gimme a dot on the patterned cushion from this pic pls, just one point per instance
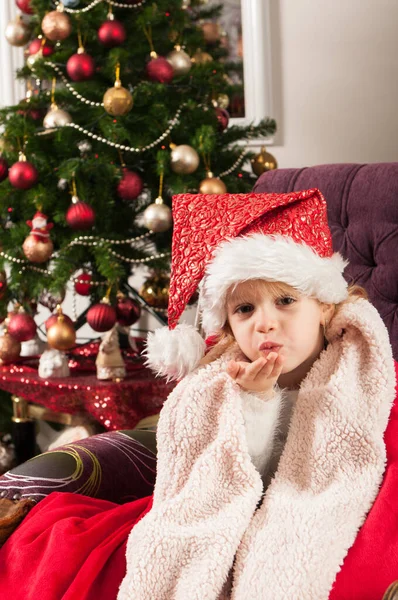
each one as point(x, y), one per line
point(111, 466)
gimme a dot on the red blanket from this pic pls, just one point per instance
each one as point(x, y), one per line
point(71, 547)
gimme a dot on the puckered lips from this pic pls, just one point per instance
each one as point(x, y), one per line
point(267, 347)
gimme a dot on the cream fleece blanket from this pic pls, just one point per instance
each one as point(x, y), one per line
point(204, 519)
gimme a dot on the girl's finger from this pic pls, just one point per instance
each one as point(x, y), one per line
point(268, 367)
point(233, 369)
point(255, 367)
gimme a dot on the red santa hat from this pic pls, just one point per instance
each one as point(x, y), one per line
point(222, 239)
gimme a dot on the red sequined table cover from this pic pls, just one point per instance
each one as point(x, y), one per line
point(116, 405)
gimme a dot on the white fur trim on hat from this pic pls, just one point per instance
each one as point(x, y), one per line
point(174, 353)
point(272, 258)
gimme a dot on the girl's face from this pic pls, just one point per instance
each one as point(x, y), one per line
point(271, 317)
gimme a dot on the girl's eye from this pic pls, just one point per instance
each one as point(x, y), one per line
point(286, 300)
point(244, 309)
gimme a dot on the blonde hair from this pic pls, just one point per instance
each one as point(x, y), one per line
point(225, 339)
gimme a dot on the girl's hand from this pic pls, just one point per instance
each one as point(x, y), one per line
point(258, 376)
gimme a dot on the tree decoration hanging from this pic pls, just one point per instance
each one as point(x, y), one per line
point(102, 316)
point(80, 66)
point(155, 290)
point(18, 32)
point(128, 311)
point(183, 159)
point(23, 175)
point(22, 326)
point(180, 61)
point(54, 318)
point(157, 216)
point(3, 169)
point(80, 215)
point(201, 58)
point(117, 100)
point(83, 284)
point(158, 68)
point(40, 44)
point(131, 184)
point(61, 335)
point(25, 6)
point(56, 25)
point(56, 117)
point(3, 284)
point(10, 348)
point(211, 31)
point(112, 33)
point(262, 162)
point(38, 246)
point(222, 118)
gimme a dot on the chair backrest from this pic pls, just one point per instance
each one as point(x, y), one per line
point(363, 217)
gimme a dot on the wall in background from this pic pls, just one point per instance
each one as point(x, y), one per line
point(11, 58)
point(335, 81)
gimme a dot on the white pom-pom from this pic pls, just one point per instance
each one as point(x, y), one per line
point(174, 353)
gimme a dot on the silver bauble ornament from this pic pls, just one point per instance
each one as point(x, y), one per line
point(180, 61)
point(17, 32)
point(157, 217)
point(56, 117)
point(184, 159)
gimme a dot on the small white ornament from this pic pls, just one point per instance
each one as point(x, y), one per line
point(33, 347)
point(53, 363)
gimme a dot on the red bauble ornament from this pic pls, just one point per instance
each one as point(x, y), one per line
point(130, 186)
point(3, 169)
point(23, 175)
point(127, 311)
point(80, 215)
point(80, 67)
point(111, 33)
point(22, 327)
point(25, 6)
point(159, 69)
point(36, 45)
point(101, 317)
point(222, 118)
point(83, 289)
point(54, 319)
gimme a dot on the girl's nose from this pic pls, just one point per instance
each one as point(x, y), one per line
point(266, 321)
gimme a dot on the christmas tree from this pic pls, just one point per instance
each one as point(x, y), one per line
point(126, 105)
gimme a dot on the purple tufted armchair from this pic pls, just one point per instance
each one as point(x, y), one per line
point(363, 216)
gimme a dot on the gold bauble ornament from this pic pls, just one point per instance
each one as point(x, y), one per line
point(157, 216)
point(184, 159)
point(212, 185)
point(263, 162)
point(180, 61)
point(61, 335)
point(155, 291)
point(117, 100)
point(17, 32)
point(201, 58)
point(211, 32)
point(222, 101)
point(37, 251)
point(56, 117)
point(10, 348)
point(56, 25)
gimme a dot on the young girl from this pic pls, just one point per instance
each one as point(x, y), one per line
point(270, 449)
